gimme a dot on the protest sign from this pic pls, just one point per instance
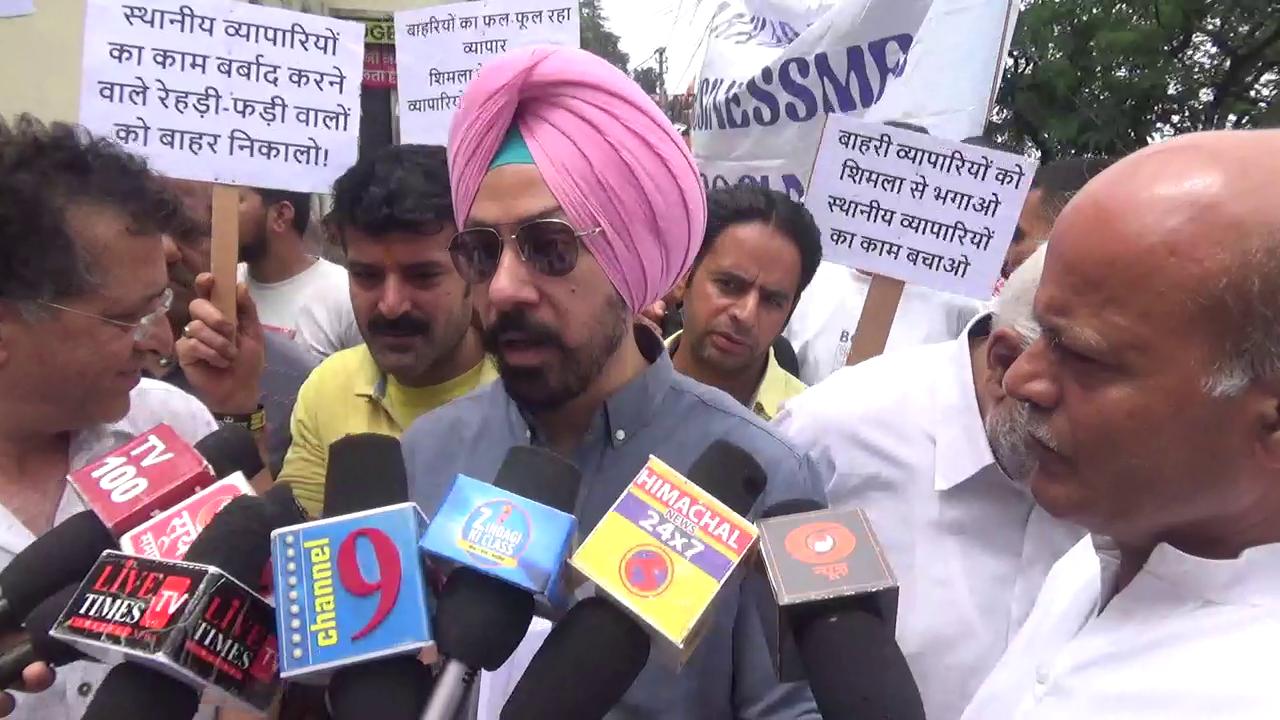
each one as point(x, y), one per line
point(775, 69)
point(225, 92)
point(447, 44)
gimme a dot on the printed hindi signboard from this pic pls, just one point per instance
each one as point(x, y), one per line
point(914, 207)
point(225, 92)
point(447, 44)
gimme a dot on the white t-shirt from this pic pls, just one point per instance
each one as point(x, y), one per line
point(821, 330)
point(313, 308)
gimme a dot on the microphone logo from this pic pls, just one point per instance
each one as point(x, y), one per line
point(496, 533)
point(823, 545)
point(646, 571)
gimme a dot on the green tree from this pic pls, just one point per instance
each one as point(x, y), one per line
point(1106, 77)
point(596, 36)
point(647, 78)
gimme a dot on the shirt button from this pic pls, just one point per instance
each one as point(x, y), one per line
point(619, 436)
point(1043, 676)
point(84, 689)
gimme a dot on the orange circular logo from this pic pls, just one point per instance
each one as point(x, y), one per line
point(820, 543)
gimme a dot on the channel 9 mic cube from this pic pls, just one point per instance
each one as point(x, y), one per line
point(503, 535)
point(145, 475)
point(189, 621)
point(350, 589)
point(168, 535)
point(813, 557)
point(663, 552)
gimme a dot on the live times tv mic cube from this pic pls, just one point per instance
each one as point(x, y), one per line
point(663, 552)
point(350, 589)
point(811, 560)
point(505, 536)
point(188, 621)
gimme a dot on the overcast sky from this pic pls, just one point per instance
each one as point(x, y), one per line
point(645, 26)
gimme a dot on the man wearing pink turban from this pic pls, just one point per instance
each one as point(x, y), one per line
point(579, 205)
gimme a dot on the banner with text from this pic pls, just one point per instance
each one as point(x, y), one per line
point(447, 44)
point(921, 209)
point(224, 91)
point(775, 69)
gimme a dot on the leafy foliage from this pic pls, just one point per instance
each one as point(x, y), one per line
point(596, 36)
point(647, 78)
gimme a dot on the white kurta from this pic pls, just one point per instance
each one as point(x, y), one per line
point(903, 438)
point(1187, 639)
point(152, 402)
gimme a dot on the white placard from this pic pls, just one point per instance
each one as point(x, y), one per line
point(440, 48)
point(16, 8)
point(915, 207)
point(224, 91)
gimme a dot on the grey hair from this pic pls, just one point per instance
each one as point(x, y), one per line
point(1247, 293)
point(1014, 307)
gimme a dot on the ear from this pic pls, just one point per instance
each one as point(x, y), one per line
point(676, 297)
point(1003, 348)
point(1264, 400)
point(281, 216)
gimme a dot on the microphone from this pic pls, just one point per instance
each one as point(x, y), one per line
point(38, 646)
point(510, 540)
point(669, 544)
point(67, 552)
point(133, 691)
point(519, 530)
point(598, 648)
point(352, 588)
point(194, 621)
point(157, 469)
point(829, 610)
point(168, 534)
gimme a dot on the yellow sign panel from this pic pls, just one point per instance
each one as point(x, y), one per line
point(379, 32)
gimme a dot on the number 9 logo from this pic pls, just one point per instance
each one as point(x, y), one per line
point(386, 583)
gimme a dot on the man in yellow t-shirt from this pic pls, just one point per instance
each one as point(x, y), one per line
point(393, 215)
point(759, 252)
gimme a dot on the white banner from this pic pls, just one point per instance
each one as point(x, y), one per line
point(225, 91)
point(775, 68)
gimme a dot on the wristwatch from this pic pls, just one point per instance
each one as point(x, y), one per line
point(255, 421)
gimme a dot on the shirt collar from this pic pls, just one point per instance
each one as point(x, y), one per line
point(961, 444)
point(1253, 578)
point(372, 382)
point(633, 405)
point(769, 394)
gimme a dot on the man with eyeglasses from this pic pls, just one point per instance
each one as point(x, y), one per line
point(579, 205)
point(83, 288)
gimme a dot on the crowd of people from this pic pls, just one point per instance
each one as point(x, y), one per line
point(1076, 483)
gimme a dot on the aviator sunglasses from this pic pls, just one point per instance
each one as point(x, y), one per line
point(549, 245)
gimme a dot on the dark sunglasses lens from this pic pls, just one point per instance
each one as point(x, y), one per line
point(475, 254)
point(550, 246)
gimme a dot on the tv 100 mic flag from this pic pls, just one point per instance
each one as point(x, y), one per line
point(350, 589)
point(811, 558)
point(663, 552)
point(188, 621)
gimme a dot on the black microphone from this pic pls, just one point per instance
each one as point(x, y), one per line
point(366, 471)
point(611, 641)
point(38, 646)
point(829, 612)
point(230, 449)
point(130, 690)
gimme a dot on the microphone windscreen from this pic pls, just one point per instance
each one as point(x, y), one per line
point(540, 475)
point(730, 474)
point(389, 689)
point(284, 508)
point(480, 620)
point(856, 668)
point(597, 650)
point(133, 691)
point(38, 646)
point(365, 471)
point(57, 558)
point(229, 449)
point(792, 506)
point(237, 540)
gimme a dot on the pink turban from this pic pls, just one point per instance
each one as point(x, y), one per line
point(606, 152)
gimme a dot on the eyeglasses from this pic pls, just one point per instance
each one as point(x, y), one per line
point(140, 329)
point(549, 245)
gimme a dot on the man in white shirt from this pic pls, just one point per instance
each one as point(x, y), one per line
point(301, 296)
point(82, 284)
point(1153, 406)
point(925, 441)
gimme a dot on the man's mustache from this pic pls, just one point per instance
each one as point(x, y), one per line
point(402, 325)
point(518, 326)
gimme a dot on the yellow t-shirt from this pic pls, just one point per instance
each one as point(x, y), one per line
point(776, 387)
point(347, 394)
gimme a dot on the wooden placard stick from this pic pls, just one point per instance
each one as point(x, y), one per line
point(878, 312)
point(224, 251)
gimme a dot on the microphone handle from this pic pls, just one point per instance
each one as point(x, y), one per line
point(452, 689)
point(14, 661)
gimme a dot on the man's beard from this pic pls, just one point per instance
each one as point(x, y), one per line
point(1009, 429)
point(254, 248)
point(569, 373)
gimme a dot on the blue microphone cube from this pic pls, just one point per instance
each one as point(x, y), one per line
point(349, 589)
point(503, 535)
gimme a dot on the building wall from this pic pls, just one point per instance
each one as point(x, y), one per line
point(40, 54)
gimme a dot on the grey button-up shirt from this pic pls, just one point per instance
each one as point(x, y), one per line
point(675, 418)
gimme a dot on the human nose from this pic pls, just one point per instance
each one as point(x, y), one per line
point(1030, 377)
point(395, 297)
point(512, 282)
